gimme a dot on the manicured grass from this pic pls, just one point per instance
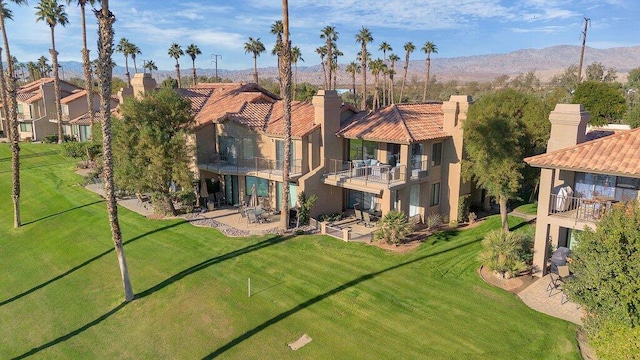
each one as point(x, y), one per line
point(530, 209)
point(61, 294)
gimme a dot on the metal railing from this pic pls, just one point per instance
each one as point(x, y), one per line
point(419, 168)
point(379, 174)
point(226, 163)
point(579, 208)
point(334, 231)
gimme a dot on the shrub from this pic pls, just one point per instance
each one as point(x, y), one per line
point(185, 199)
point(52, 139)
point(393, 228)
point(463, 207)
point(74, 150)
point(472, 217)
point(434, 221)
point(505, 252)
point(330, 217)
point(305, 207)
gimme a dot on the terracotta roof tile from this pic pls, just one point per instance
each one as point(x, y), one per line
point(84, 119)
point(617, 154)
point(228, 98)
point(403, 123)
point(198, 97)
point(302, 119)
point(74, 95)
point(253, 115)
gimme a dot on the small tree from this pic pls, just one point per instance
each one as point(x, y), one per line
point(393, 228)
point(604, 101)
point(606, 281)
point(151, 149)
point(506, 253)
point(305, 203)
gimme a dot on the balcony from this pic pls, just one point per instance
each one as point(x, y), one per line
point(579, 208)
point(257, 166)
point(419, 168)
point(346, 174)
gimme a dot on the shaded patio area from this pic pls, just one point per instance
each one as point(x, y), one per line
point(537, 297)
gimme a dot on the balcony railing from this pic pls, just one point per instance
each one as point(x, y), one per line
point(579, 208)
point(419, 168)
point(377, 174)
point(224, 163)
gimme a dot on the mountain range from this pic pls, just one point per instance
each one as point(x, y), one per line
point(545, 62)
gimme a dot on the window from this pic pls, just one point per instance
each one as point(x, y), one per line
point(247, 149)
point(20, 110)
point(362, 149)
point(435, 195)
point(262, 186)
point(364, 200)
point(25, 127)
point(65, 109)
point(228, 149)
point(436, 154)
point(280, 154)
point(417, 151)
point(393, 154)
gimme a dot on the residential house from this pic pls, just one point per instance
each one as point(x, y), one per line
point(580, 179)
point(37, 115)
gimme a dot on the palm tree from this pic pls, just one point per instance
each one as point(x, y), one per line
point(193, 51)
point(277, 29)
point(364, 37)
point(175, 51)
point(86, 62)
point(428, 48)
point(255, 47)
point(53, 13)
point(43, 64)
point(285, 91)
point(353, 68)
point(150, 65)
point(9, 92)
point(33, 70)
point(134, 51)
point(322, 51)
point(124, 47)
point(331, 35)
point(336, 54)
point(408, 48)
point(392, 58)
point(104, 72)
point(295, 56)
point(377, 66)
point(384, 47)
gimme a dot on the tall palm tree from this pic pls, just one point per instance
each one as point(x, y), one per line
point(364, 37)
point(296, 56)
point(330, 34)
point(408, 48)
point(277, 29)
point(285, 91)
point(43, 64)
point(392, 59)
point(9, 92)
point(377, 66)
point(353, 68)
point(134, 51)
point(124, 47)
point(33, 70)
point(193, 51)
point(336, 54)
point(255, 47)
point(104, 72)
point(384, 47)
point(175, 51)
point(322, 51)
point(53, 14)
point(150, 65)
point(8, 14)
point(86, 62)
point(428, 49)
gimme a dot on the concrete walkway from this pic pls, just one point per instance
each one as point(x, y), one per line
point(537, 298)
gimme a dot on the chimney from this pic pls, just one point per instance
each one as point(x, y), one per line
point(327, 106)
point(142, 83)
point(568, 126)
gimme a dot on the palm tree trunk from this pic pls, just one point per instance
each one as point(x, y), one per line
point(126, 65)
point(285, 90)
point(353, 86)
point(503, 213)
point(56, 85)
point(324, 73)
point(193, 70)
point(426, 80)
point(255, 68)
point(404, 79)
point(363, 105)
point(295, 81)
point(376, 95)
point(178, 74)
point(135, 66)
point(9, 97)
point(105, 50)
point(86, 66)
point(384, 88)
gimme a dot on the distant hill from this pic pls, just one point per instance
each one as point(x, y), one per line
point(544, 62)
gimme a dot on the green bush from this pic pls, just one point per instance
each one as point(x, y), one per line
point(53, 139)
point(434, 221)
point(74, 150)
point(185, 199)
point(464, 203)
point(330, 217)
point(506, 252)
point(393, 228)
point(306, 203)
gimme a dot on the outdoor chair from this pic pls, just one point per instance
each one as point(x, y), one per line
point(555, 283)
point(243, 213)
point(219, 199)
point(266, 206)
point(359, 216)
point(367, 219)
point(246, 200)
point(377, 210)
point(252, 218)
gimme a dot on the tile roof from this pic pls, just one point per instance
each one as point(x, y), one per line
point(73, 96)
point(227, 98)
point(402, 123)
point(302, 119)
point(253, 115)
point(198, 97)
point(617, 154)
point(84, 119)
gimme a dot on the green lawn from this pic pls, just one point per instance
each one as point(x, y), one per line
point(61, 294)
point(530, 209)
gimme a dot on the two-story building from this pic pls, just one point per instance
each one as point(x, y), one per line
point(37, 115)
point(581, 178)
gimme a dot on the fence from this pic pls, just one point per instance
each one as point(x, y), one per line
point(579, 208)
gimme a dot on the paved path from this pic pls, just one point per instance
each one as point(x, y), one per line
point(537, 298)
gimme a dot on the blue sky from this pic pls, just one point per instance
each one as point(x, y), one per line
point(458, 28)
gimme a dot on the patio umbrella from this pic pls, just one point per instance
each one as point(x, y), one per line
point(254, 196)
point(204, 192)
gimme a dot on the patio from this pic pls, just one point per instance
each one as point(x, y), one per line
point(537, 297)
point(230, 222)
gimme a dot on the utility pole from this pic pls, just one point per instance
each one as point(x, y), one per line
point(584, 41)
point(215, 60)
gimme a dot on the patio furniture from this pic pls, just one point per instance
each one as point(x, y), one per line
point(359, 216)
point(252, 218)
point(555, 283)
point(367, 219)
point(219, 198)
point(377, 210)
point(246, 200)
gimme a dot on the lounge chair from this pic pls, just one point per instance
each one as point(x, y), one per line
point(359, 216)
point(252, 218)
point(367, 219)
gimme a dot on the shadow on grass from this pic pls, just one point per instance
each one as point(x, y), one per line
point(63, 211)
point(216, 260)
point(76, 268)
point(169, 281)
point(522, 224)
point(28, 156)
point(323, 296)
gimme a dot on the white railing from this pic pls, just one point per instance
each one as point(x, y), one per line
point(380, 174)
point(226, 163)
point(579, 208)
